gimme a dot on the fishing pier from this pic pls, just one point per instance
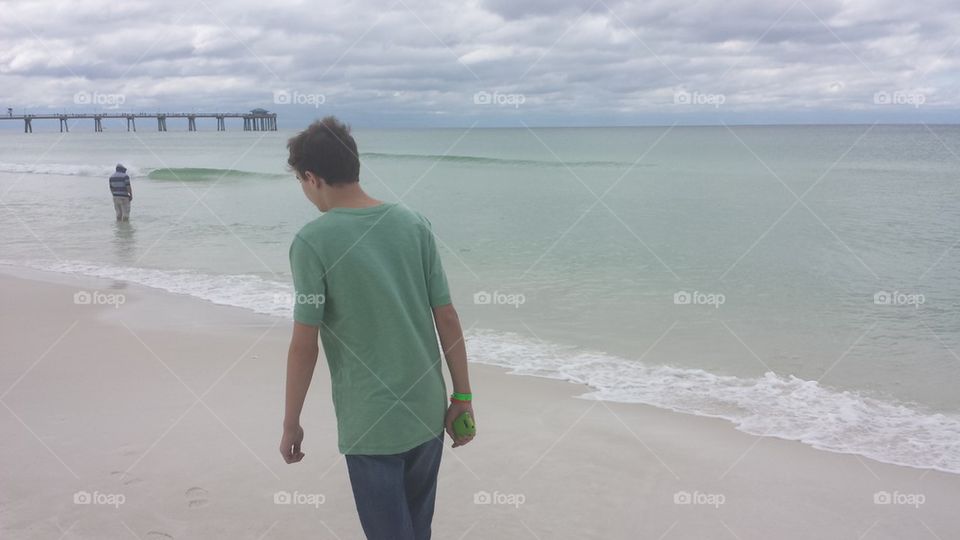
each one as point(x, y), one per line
point(255, 120)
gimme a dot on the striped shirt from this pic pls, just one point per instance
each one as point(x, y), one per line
point(120, 184)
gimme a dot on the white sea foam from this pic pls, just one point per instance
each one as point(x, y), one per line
point(244, 291)
point(771, 405)
point(65, 169)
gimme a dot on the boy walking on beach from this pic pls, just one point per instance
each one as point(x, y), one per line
point(369, 282)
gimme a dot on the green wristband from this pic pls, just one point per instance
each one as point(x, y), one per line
point(461, 397)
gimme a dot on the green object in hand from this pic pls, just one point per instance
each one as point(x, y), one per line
point(463, 426)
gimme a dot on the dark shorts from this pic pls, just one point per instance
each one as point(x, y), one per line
point(395, 493)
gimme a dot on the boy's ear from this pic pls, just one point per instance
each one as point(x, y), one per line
point(310, 177)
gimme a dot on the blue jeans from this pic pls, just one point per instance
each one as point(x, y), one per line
point(395, 493)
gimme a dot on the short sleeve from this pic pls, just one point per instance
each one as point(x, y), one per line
point(309, 286)
point(437, 288)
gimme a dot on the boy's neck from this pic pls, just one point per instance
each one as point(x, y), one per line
point(350, 196)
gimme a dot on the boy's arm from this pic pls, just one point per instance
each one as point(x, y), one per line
point(301, 359)
point(455, 351)
point(451, 339)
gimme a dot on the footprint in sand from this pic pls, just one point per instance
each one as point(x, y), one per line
point(197, 497)
point(129, 451)
point(127, 479)
point(158, 535)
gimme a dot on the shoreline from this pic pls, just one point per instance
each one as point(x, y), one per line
point(119, 414)
point(651, 389)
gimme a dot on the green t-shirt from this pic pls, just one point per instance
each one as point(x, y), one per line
point(368, 278)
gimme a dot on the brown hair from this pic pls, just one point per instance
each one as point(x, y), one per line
point(326, 149)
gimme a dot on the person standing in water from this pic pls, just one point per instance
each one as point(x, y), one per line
point(122, 192)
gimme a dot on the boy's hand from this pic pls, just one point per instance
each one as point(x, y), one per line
point(290, 444)
point(455, 410)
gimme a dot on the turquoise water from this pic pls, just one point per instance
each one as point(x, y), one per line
point(788, 340)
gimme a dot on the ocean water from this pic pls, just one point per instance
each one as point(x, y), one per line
point(801, 282)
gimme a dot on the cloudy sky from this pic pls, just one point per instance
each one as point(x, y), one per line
point(497, 62)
